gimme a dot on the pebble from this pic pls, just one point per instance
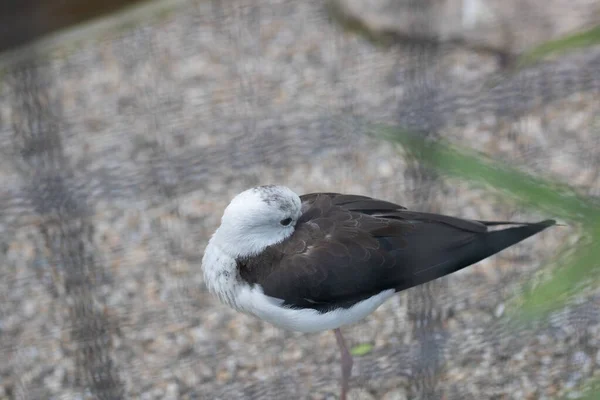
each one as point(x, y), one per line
point(397, 394)
point(360, 394)
point(499, 310)
point(172, 392)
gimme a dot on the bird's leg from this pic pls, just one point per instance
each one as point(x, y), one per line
point(346, 360)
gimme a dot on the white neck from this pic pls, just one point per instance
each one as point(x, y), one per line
point(231, 242)
point(220, 274)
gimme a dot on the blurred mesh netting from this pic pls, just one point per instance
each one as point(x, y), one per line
point(118, 155)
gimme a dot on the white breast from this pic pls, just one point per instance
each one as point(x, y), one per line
point(223, 280)
point(269, 309)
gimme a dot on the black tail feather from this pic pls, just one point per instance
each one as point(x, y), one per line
point(480, 246)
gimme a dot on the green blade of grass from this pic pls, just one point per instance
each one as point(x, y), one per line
point(582, 39)
point(559, 200)
point(361, 349)
point(589, 391)
point(566, 280)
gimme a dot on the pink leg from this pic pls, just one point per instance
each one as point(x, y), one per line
point(346, 362)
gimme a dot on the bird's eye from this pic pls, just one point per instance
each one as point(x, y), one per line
point(286, 222)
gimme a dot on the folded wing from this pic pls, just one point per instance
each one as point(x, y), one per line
point(347, 248)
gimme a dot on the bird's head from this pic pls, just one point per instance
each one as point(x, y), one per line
point(257, 218)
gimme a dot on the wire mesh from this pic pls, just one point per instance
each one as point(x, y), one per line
point(119, 155)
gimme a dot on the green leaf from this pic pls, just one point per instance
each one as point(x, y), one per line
point(549, 295)
point(582, 39)
point(361, 349)
point(590, 390)
point(557, 199)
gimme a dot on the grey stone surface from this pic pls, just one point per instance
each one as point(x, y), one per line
point(511, 26)
point(119, 156)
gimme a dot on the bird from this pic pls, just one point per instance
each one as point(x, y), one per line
point(320, 261)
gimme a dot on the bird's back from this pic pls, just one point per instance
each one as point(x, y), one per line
point(347, 248)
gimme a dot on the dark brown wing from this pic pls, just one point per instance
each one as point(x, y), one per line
point(347, 248)
point(351, 202)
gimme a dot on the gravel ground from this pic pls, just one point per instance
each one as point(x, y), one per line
point(140, 140)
